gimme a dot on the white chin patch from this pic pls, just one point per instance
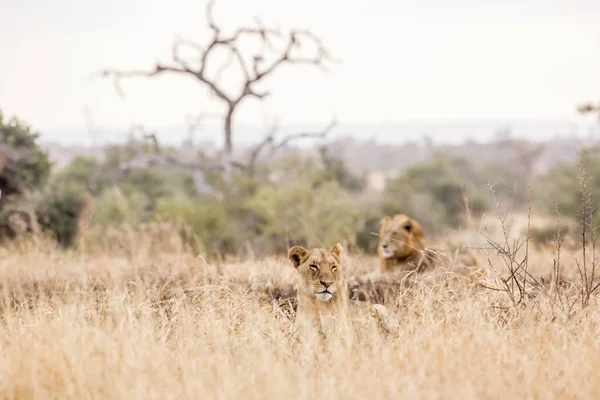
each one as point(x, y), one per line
point(386, 254)
point(324, 296)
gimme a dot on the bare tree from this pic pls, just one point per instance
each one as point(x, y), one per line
point(255, 69)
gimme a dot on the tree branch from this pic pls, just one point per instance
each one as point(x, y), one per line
point(158, 156)
point(118, 75)
point(270, 141)
point(303, 135)
point(295, 40)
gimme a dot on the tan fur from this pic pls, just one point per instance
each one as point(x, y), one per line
point(322, 269)
point(402, 247)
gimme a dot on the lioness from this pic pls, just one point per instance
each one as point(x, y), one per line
point(402, 247)
point(323, 302)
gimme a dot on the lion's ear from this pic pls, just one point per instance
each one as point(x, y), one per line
point(337, 250)
point(416, 229)
point(297, 255)
point(385, 220)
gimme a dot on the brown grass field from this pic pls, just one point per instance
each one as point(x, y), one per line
point(151, 320)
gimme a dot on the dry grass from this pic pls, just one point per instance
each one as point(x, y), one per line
point(159, 323)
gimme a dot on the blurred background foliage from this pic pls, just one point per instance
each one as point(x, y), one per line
point(310, 201)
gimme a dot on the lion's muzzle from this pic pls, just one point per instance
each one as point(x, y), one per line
point(326, 292)
point(386, 252)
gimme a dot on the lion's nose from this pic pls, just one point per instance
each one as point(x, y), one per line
point(384, 245)
point(326, 284)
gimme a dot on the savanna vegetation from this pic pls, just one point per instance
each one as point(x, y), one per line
point(153, 272)
point(125, 282)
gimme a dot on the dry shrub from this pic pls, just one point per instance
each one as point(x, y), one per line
point(555, 291)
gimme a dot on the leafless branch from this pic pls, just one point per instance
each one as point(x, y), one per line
point(158, 156)
point(259, 71)
point(253, 73)
point(270, 141)
point(302, 135)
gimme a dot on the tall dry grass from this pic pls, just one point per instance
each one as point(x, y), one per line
point(157, 322)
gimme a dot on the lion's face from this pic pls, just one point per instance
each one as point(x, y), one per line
point(319, 269)
point(399, 236)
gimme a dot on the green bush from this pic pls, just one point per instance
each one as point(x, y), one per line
point(204, 223)
point(150, 184)
point(269, 217)
point(27, 202)
point(114, 207)
point(23, 164)
point(85, 172)
point(299, 214)
point(14, 220)
point(437, 193)
point(368, 229)
point(59, 211)
point(560, 187)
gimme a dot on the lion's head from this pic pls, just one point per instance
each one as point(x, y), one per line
point(319, 269)
point(399, 237)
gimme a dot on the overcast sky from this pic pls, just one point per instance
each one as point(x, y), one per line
point(399, 59)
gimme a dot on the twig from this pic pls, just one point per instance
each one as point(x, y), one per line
point(303, 135)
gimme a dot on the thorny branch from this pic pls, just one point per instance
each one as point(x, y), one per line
point(516, 284)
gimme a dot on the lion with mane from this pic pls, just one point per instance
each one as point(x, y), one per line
point(403, 247)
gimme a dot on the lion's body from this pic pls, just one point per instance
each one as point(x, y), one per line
point(402, 247)
point(324, 305)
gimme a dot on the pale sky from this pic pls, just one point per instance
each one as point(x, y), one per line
point(399, 60)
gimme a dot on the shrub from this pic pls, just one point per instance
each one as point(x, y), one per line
point(438, 193)
point(23, 164)
point(368, 229)
point(204, 223)
point(560, 187)
point(85, 172)
point(269, 220)
point(113, 207)
point(299, 214)
point(59, 211)
point(28, 204)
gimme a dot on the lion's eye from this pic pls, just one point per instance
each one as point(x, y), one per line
point(408, 228)
point(314, 267)
point(334, 268)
